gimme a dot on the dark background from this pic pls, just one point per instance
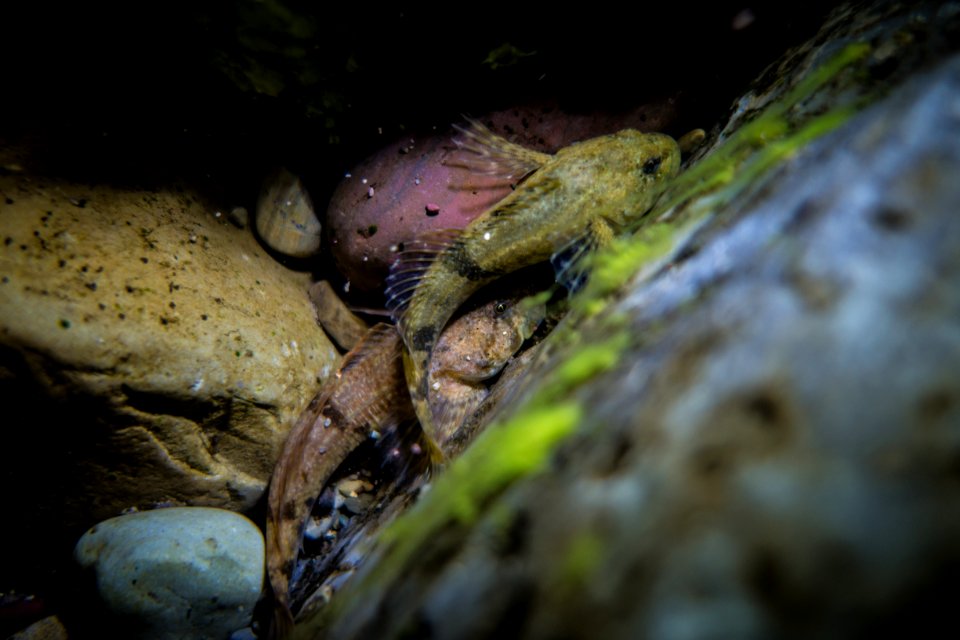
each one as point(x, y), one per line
point(217, 93)
point(214, 95)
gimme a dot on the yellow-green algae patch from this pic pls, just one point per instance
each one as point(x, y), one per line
point(513, 449)
point(579, 561)
point(776, 133)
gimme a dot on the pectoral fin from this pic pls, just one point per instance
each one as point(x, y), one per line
point(411, 266)
point(570, 263)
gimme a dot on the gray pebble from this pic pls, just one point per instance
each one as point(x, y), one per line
point(182, 572)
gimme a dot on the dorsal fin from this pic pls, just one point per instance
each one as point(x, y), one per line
point(375, 338)
point(494, 155)
point(411, 265)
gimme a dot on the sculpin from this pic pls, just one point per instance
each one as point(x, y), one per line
point(571, 201)
point(369, 393)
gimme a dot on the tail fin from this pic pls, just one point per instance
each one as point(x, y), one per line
point(282, 624)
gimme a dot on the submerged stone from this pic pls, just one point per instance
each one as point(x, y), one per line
point(187, 572)
point(160, 352)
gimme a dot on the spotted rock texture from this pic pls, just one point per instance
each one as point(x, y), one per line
point(773, 449)
point(158, 353)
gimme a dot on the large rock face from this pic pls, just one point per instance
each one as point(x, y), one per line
point(753, 434)
point(159, 353)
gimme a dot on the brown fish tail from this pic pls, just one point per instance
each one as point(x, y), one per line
point(281, 626)
point(366, 393)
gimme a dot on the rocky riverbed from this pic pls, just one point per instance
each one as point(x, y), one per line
point(745, 426)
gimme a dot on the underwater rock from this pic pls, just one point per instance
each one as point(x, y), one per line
point(161, 354)
point(285, 219)
point(49, 628)
point(398, 193)
point(335, 317)
point(187, 572)
point(753, 435)
point(418, 184)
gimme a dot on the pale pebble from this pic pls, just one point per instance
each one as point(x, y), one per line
point(183, 572)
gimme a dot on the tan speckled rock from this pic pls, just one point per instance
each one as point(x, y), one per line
point(160, 350)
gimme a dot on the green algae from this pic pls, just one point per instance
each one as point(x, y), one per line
point(512, 450)
point(581, 366)
point(779, 131)
point(579, 561)
point(622, 259)
point(501, 455)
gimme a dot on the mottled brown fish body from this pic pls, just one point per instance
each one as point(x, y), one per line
point(588, 190)
point(471, 350)
point(367, 393)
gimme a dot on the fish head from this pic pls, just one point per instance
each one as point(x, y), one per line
point(472, 350)
point(639, 163)
point(477, 345)
point(653, 156)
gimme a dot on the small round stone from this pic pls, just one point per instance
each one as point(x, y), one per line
point(285, 219)
point(183, 572)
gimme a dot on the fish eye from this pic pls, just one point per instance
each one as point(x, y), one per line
point(500, 309)
point(651, 165)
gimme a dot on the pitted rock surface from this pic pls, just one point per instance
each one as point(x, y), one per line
point(161, 353)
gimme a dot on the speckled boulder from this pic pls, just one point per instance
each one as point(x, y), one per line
point(417, 183)
point(159, 353)
point(188, 572)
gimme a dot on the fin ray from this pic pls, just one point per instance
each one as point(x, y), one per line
point(494, 155)
point(411, 266)
point(376, 337)
point(571, 262)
